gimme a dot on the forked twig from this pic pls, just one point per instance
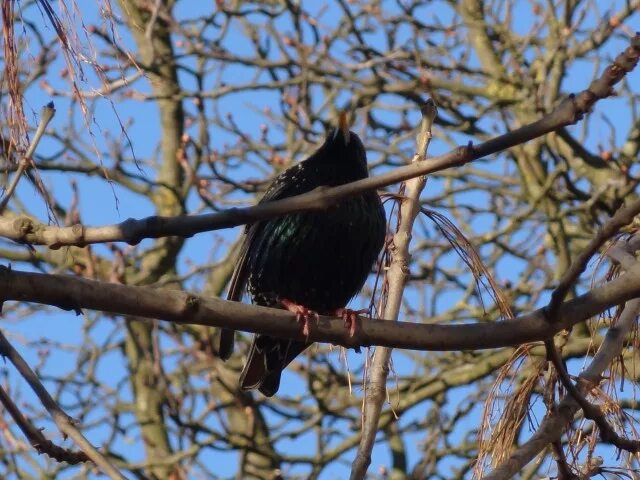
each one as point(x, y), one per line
point(61, 419)
point(591, 411)
point(35, 436)
point(47, 113)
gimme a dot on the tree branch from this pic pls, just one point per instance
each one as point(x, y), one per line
point(35, 436)
point(553, 426)
point(591, 411)
point(132, 231)
point(396, 278)
point(73, 293)
point(61, 419)
point(47, 113)
point(622, 217)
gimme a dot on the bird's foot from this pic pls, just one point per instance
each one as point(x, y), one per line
point(350, 318)
point(303, 314)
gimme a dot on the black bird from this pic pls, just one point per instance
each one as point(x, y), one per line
point(310, 262)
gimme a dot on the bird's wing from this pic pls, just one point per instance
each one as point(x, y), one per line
point(281, 187)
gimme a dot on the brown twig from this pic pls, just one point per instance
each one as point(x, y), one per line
point(35, 436)
point(61, 419)
point(47, 113)
point(564, 470)
point(591, 411)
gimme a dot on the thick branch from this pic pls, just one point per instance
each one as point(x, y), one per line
point(72, 293)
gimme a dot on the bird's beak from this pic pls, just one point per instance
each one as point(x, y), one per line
point(343, 126)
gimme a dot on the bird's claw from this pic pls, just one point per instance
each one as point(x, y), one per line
point(350, 318)
point(303, 314)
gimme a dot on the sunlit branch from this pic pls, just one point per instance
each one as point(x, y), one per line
point(132, 231)
point(73, 293)
point(396, 279)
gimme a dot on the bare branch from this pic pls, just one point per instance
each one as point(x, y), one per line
point(396, 277)
point(72, 293)
point(556, 422)
point(622, 218)
point(46, 115)
point(62, 420)
point(592, 412)
point(133, 231)
point(35, 436)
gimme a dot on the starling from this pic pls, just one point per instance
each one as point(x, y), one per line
point(309, 262)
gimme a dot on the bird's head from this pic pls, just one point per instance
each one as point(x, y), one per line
point(344, 147)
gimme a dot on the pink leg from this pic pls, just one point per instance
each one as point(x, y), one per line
point(350, 318)
point(303, 314)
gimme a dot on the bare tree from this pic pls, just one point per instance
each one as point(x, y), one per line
point(509, 285)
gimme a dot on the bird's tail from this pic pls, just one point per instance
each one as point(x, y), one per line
point(225, 345)
point(267, 357)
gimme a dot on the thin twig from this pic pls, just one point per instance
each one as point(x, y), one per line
point(375, 391)
point(104, 91)
point(564, 471)
point(35, 436)
point(47, 113)
point(622, 218)
point(61, 419)
point(591, 411)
